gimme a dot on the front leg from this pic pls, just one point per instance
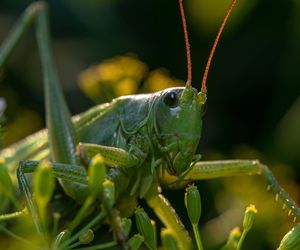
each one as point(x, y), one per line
point(216, 169)
point(111, 155)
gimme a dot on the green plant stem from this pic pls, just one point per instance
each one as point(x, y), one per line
point(55, 226)
point(243, 236)
point(100, 246)
point(12, 215)
point(14, 37)
point(197, 237)
point(80, 215)
point(76, 244)
point(92, 223)
point(16, 237)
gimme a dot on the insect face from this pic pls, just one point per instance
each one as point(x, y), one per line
point(178, 127)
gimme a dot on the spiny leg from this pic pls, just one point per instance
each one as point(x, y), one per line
point(61, 132)
point(60, 127)
point(19, 29)
point(168, 216)
point(216, 169)
point(111, 155)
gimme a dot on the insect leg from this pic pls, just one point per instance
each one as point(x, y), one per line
point(67, 172)
point(19, 29)
point(61, 132)
point(111, 155)
point(29, 148)
point(168, 216)
point(215, 169)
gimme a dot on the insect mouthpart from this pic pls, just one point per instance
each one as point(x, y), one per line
point(180, 153)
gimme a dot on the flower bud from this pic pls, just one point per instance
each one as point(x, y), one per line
point(108, 193)
point(233, 239)
point(86, 237)
point(97, 174)
point(192, 203)
point(249, 217)
point(126, 225)
point(43, 184)
point(43, 187)
point(56, 216)
point(291, 241)
point(146, 228)
point(168, 240)
point(135, 242)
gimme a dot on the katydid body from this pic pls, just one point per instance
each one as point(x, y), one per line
point(139, 138)
point(124, 123)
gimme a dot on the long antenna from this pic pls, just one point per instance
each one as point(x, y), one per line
point(187, 45)
point(203, 86)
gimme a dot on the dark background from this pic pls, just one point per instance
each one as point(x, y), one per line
point(253, 87)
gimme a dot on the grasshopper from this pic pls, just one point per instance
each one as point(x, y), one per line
point(139, 138)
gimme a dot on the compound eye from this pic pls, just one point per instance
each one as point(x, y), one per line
point(171, 99)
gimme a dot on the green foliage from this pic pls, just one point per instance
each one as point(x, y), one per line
point(2, 119)
point(193, 204)
point(227, 193)
point(146, 228)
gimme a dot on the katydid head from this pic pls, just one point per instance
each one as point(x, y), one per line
point(178, 112)
point(178, 126)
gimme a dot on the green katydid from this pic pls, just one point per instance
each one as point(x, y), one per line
point(139, 138)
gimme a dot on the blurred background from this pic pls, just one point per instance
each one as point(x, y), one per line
point(137, 46)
